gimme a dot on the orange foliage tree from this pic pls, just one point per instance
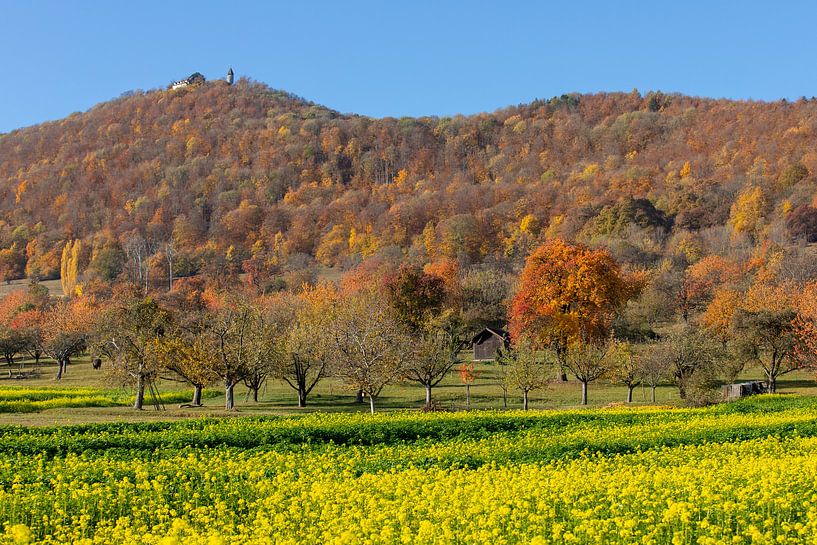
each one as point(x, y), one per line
point(66, 326)
point(467, 376)
point(568, 294)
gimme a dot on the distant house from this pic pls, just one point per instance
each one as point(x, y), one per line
point(193, 79)
point(487, 342)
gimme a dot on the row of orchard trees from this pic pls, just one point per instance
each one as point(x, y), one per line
point(234, 339)
point(578, 311)
point(363, 335)
point(574, 310)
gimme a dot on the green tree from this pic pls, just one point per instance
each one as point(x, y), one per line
point(129, 334)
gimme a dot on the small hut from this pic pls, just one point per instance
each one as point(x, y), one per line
point(487, 342)
point(743, 389)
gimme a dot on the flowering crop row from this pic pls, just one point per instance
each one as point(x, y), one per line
point(742, 474)
point(25, 400)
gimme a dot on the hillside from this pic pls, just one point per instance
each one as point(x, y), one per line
point(246, 178)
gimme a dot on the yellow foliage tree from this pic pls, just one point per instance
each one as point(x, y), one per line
point(69, 266)
point(529, 225)
point(746, 214)
point(332, 247)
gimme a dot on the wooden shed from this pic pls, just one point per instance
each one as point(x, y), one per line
point(487, 342)
point(743, 389)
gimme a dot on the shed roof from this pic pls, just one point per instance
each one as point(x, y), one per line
point(487, 333)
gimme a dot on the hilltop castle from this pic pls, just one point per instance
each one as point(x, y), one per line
point(196, 78)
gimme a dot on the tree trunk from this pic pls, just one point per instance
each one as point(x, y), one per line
point(255, 395)
point(371, 403)
point(630, 393)
point(561, 354)
point(359, 396)
point(505, 399)
point(229, 397)
point(61, 367)
point(525, 400)
point(653, 393)
point(428, 394)
point(196, 395)
point(140, 393)
point(584, 392)
point(771, 383)
point(467, 396)
point(301, 398)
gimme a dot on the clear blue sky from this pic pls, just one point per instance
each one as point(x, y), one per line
point(403, 58)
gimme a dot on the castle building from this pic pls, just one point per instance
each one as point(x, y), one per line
point(229, 77)
point(193, 79)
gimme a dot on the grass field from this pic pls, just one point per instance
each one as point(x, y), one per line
point(734, 473)
point(54, 286)
point(329, 396)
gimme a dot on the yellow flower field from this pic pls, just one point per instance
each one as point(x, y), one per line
point(743, 473)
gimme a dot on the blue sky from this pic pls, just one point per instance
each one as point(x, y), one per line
point(403, 58)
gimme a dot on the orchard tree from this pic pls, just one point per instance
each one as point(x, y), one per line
point(66, 326)
point(467, 376)
point(368, 345)
point(689, 356)
point(307, 342)
point(655, 367)
point(568, 294)
point(235, 333)
point(767, 338)
point(588, 361)
point(129, 332)
point(759, 325)
point(267, 348)
point(437, 353)
point(525, 369)
point(12, 339)
point(184, 355)
point(27, 319)
point(626, 367)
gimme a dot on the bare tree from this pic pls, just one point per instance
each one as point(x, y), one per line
point(230, 334)
point(139, 253)
point(436, 355)
point(369, 347)
point(588, 361)
point(525, 370)
point(305, 358)
point(625, 367)
point(266, 349)
point(683, 355)
point(655, 367)
point(170, 254)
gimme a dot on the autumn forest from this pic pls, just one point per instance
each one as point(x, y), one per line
point(582, 223)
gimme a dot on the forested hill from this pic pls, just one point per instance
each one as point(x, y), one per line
point(244, 176)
